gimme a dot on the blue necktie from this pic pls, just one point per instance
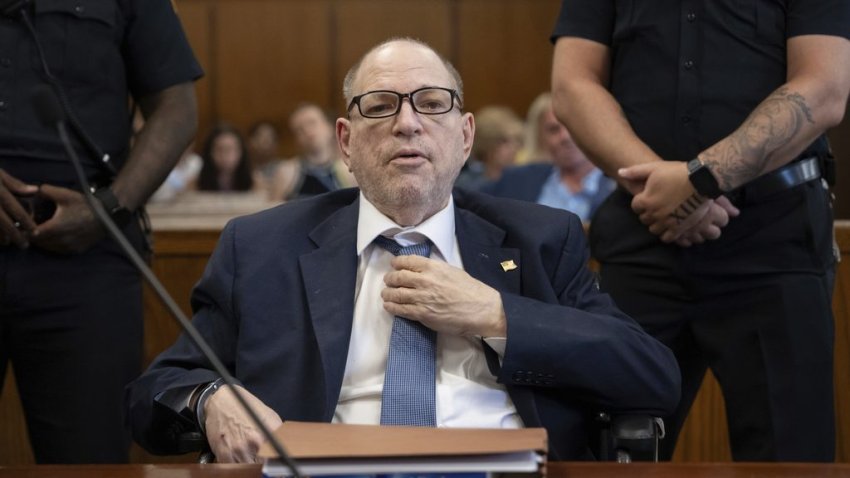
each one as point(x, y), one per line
point(409, 396)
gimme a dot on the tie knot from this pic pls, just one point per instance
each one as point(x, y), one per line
point(421, 249)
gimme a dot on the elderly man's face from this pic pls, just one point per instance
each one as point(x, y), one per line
point(411, 159)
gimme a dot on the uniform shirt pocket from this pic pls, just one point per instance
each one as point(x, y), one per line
point(763, 20)
point(81, 38)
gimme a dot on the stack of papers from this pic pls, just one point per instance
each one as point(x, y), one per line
point(322, 449)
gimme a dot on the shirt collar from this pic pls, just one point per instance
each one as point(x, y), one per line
point(589, 183)
point(439, 228)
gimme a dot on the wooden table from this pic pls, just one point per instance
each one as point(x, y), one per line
point(696, 470)
point(555, 470)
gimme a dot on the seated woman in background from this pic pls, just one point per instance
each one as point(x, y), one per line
point(226, 166)
point(498, 138)
point(534, 148)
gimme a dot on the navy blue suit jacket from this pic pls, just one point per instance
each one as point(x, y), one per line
point(276, 302)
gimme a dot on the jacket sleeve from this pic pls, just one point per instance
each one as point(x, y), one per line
point(584, 344)
point(156, 401)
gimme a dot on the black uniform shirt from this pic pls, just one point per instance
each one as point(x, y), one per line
point(102, 51)
point(688, 72)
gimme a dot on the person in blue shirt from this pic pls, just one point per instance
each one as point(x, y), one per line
point(569, 182)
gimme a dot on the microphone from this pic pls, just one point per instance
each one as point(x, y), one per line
point(47, 107)
point(50, 112)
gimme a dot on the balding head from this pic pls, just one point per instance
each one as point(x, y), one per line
point(405, 162)
point(348, 84)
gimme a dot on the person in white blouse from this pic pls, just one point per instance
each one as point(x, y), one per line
point(301, 301)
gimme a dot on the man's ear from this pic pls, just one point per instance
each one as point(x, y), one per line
point(343, 136)
point(468, 133)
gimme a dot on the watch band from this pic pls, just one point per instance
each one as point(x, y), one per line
point(119, 214)
point(703, 179)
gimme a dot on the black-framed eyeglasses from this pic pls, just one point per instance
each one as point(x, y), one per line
point(386, 103)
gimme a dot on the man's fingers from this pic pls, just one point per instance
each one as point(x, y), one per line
point(638, 172)
point(404, 278)
point(56, 193)
point(15, 231)
point(711, 232)
point(639, 205)
point(408, 311)
point(658, 228)
point(411, 263)
point(397, 295)
point(16, 186)
point(727, 205)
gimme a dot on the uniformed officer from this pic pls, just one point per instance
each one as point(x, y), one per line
point(70, 302)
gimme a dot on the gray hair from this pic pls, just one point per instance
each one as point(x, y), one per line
point(348, 82)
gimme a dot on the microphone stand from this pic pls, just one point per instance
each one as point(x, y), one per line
point(157, 286)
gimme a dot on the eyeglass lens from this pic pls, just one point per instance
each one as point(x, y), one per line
point(380, 104)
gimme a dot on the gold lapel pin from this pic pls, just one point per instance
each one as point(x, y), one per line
point(508, 265)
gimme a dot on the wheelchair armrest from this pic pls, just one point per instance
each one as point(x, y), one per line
point(629, 437)
point(189, 442)
point(192, 441)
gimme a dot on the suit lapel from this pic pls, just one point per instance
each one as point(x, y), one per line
point(483, 255)
point(487, 260)
point(329, 275)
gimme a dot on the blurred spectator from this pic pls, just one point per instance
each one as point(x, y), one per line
point(317, 168)
point(264, 151)
point(534, 149)
point(570, 182)
point(181, 178)
point(225, 161)
point(498, 138)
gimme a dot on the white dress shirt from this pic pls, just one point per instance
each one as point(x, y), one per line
point(467, 393)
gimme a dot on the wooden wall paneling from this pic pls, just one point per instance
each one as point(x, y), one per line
point(361, 24)
point(841, 311)
point(705, 436)
point(14, 439)
point(840, 139)
point(196, 17)
point(179, 260)
point(270, 55)
point(504, 53)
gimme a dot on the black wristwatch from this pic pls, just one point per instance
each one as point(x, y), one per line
point(703, 180)
point(120, 214)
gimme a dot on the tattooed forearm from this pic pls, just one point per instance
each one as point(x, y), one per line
point(745, 154)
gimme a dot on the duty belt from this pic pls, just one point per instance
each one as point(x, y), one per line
point(786, 177)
